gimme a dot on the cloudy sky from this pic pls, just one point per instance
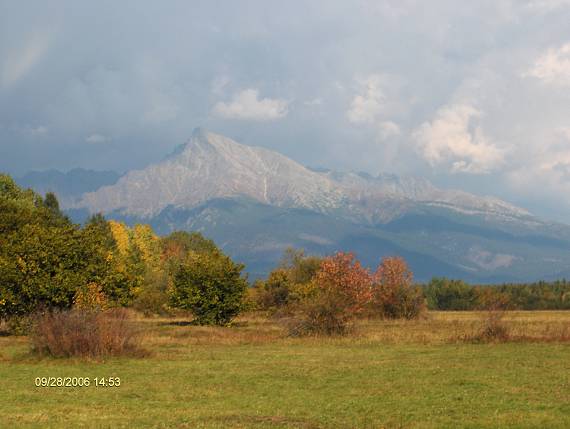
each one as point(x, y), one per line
point(471, 94)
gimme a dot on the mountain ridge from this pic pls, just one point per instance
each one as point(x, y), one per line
point(213, 166)
point(255, 203)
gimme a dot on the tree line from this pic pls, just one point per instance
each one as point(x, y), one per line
point(448, 294)
point(47, 262)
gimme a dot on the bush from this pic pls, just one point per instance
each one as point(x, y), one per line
point(342, 289)
point(211, 286)
point(395, 297)
point(325, 314)
point(447, 294)
point(493, 329)
point(84, 333)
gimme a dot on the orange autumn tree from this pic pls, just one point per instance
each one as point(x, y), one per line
point(395, 296)
point(344, 276)
point(343, 289)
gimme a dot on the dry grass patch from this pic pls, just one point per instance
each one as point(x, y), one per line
point(450, 327)
point(171, 333)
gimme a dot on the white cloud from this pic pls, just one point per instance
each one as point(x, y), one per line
point(545, 176)
point(366, 107)
point(96, 139)
point(553, 67)
point(452, 140)
point(551, 164)
point(248, 106)
point(389, 129)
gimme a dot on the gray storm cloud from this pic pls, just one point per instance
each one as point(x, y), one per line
point(466, 93)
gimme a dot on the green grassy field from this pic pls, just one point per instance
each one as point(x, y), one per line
point(391, 374)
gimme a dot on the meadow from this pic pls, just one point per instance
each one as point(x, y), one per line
point(392, 374)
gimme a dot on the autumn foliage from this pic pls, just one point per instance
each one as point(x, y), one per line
point(346, 290)
point(343, 290)
point(90, 297)
point(343, 276)
point(395, 296)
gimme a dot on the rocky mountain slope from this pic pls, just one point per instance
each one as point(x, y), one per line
point(212, 166)
point(255, 202)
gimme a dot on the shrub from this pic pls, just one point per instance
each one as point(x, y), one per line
point(395, 297)
point(342, 289)
point(343, 275)
point(84, 333)
point(211, 286)
point(493, 328)
point(325, 314)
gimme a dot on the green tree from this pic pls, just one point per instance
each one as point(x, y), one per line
point(300, 266)
point(44, 258)
point(52, 204)
point(211, 286)
point(41, 267)
point(446, 294)
point(107, 267)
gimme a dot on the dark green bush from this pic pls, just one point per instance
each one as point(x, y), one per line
point(211, 286)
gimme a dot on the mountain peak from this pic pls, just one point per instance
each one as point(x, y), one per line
point(199, 137)
point(214, 166)
point(210, 166)
point(203, 140)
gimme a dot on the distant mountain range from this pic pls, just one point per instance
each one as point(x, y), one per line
point(68, 186)
point(255, 202)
